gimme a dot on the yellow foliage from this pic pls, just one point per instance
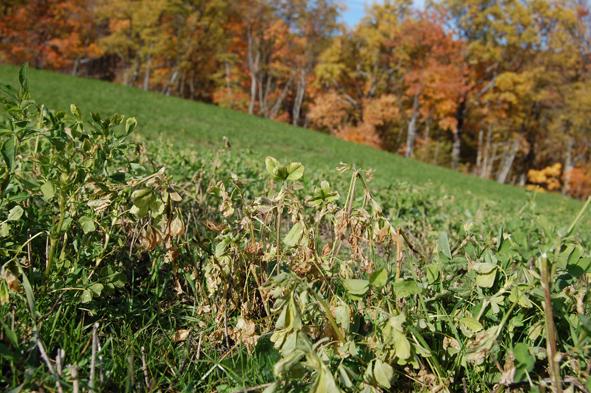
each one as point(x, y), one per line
point(547, 178)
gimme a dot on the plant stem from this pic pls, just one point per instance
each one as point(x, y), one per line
point(553, 365)
point(348, 207)
point(331, 320)
point(278, 232)
point(55, 235)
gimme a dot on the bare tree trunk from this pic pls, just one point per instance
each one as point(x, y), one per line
point(299, 98)
point(76, 66)
point(411, 133)
point(192, 85)
point(182, 84)
point(568, 165)
point(253, 93)
point(507, 162)
point(147, 73)
point(126, 77)
point(277, 105)
point(478, 167)
point(436, 154)
point(253, 65)
point(227, 74)
point(171, 81)
point(491, 162)
point(457, 135)
point(486, 156)
point(456, 149)
point(264, 95)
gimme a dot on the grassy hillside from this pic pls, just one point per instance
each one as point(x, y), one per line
point(227, 273)
point(194, 125)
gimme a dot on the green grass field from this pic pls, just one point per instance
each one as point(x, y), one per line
point(198, 126)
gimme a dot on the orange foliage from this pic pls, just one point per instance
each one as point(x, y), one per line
point(380, 111)
point(51, 33)
point(332, 112)
point(329, 111)
point(579, 180)
point(364, 134)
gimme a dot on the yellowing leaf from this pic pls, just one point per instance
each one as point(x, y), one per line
point(15, 213)
point(401, 345)
point(383, 373)
point(181, 335)
point(295, 171)
point(87, 224)
point(486, 274)
point(47, 190)
point(470, 325)
point(271, 164)
point(356, 287)
point(379, 278)
point(294, 235)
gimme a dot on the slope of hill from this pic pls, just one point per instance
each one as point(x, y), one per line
point(194, 125)
point(219, 273)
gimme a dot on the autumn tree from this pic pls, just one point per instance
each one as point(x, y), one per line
point(56, 34)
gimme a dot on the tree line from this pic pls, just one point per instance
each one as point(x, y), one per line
point(500, 89)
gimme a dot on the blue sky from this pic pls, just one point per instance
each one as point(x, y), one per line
point(356, 9)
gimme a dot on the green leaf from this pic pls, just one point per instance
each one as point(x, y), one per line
point(584, 264)
point(96, 288)
point(271, 164)
point(15, 213)
point(401, 344)
point(75, 111)
point(344, 378)
point(9, 153)
point(4, 296)
point(484, 268)
point(405, 288)
point(342, 316)
point(294, 235)
point(469, 325)
point(433, 271)
point(10, 334)
point(379, 278)
point(295, 171)
point(485, 274)
point(325, 382)
point(87, 224)
point(28, 291)
point(383, 373)
point(23, 78)
point(130, 125)
point(500, 238)
point(4, 229)
point(220, 248)
point(140, 196)
point(523, 357)
point(86, 296)
point(143, 201)
point(356, 287)
point(48, 190)
point(444, 245)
